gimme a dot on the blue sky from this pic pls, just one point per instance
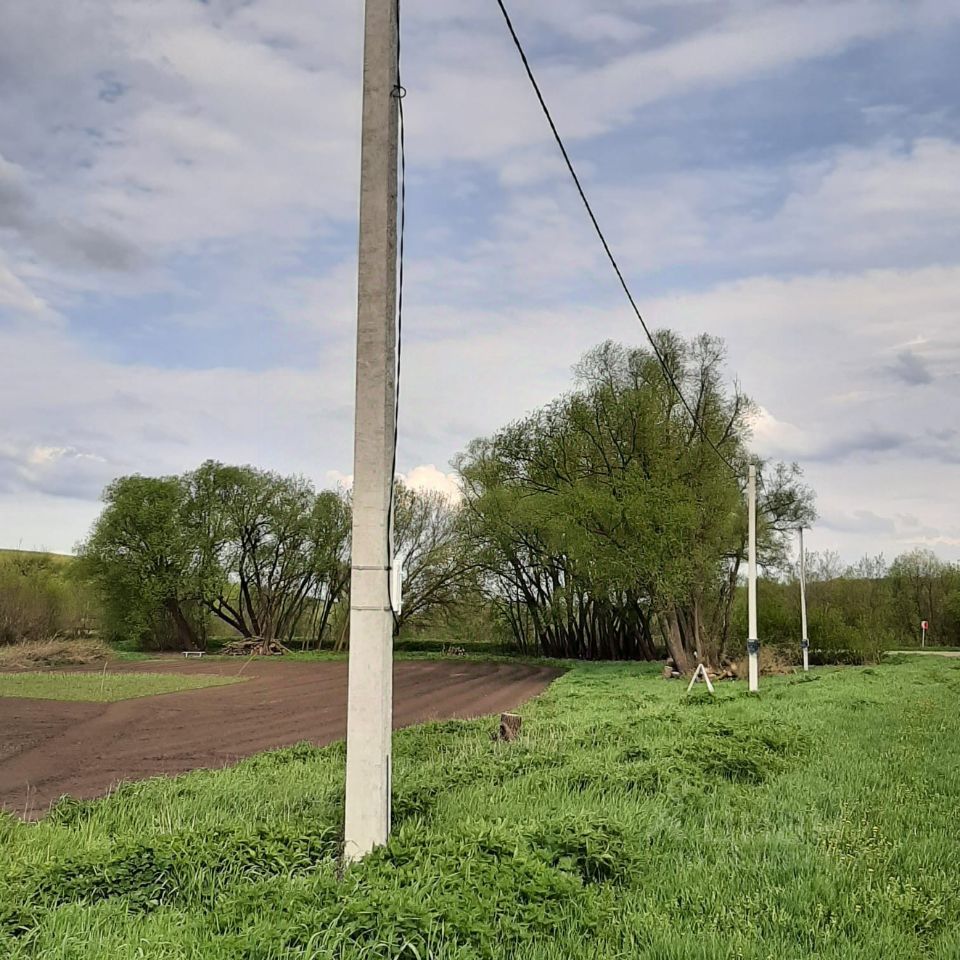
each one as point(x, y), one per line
point(178, 195)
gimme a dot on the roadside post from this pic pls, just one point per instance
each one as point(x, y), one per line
point(804, 639)
point(923, 632)
point(753, 644)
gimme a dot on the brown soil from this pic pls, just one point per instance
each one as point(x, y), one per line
point(49, 748)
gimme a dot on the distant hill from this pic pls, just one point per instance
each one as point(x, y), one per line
point(55, 557)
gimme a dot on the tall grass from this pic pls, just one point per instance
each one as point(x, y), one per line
point(628, 821)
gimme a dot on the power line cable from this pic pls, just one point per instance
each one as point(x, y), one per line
point(603, 240)
point(398, 93)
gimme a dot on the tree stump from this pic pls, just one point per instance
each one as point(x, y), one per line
point(509, 727)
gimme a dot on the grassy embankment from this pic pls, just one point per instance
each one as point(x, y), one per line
point(103, 687)
point(629, 821)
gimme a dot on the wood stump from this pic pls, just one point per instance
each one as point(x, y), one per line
point(509, 727)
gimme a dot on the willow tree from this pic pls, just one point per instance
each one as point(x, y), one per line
point(145, 563)
point(606, 522)
point(436, 569)
point(264, 553)
point(274, 551)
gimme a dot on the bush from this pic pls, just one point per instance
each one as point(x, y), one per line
point(41, 597)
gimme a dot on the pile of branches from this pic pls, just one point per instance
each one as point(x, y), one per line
point(255, 647)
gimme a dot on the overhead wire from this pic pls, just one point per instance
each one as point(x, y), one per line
point(398, 93)
point(668, 373)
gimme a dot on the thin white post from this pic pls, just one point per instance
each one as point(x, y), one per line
point(753, 644)
point(370, 684)
point(805, 640)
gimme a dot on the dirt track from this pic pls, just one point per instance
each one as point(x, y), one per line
point(49, 748)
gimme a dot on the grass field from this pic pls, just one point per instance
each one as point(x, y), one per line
point(102, 687)
point(817, 820)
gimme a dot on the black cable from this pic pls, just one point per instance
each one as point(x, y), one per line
point(606, 246)
point(398, 93)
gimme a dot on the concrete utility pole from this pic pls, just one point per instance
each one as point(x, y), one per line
point(753, 644)
point(805, 640)
point(370, 688)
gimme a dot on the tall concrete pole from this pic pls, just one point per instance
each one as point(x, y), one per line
point(804, 640)
point(753, 644)
point(370, 685)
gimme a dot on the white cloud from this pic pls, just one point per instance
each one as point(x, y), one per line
point(219, 140)
point(428, 477)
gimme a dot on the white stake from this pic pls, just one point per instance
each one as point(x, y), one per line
point(700, 673)
point(753, 644)
point(805, 640)
point(370, 684)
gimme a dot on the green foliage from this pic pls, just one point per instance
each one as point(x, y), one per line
point(607, 526)
point(857, 612)
point(41, 597)
point(626, 821)
point(145, 562)
point(926, 588)
point(438, 570)
point(265, 554)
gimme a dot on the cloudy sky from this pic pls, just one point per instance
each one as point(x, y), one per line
point(178, 198)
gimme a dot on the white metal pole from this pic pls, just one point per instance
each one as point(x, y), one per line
point(805, 640)
point(370, 684)
point(753, 644)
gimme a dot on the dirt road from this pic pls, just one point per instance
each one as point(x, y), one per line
point(49, 748)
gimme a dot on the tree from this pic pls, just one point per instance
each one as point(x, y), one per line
point(272, 549)
point(264, 553)
point(145, 561)
point(923, 589)
point(330, 525)
point(436, 564)
point(606, 524)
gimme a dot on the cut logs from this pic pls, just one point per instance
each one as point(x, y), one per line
point(254, 647)
point(727, 671)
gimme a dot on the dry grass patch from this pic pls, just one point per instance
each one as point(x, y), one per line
point(53, 653)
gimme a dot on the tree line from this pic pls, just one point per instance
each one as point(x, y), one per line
point(610, 523)
point(603, 525)
point(264, 555)
point(856, 611)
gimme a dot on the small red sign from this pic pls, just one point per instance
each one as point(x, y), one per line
point(925, 625)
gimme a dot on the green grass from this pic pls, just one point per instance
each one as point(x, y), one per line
point(102, 687)
point(816, 820)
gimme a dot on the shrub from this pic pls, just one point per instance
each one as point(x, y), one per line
point(41, 597)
